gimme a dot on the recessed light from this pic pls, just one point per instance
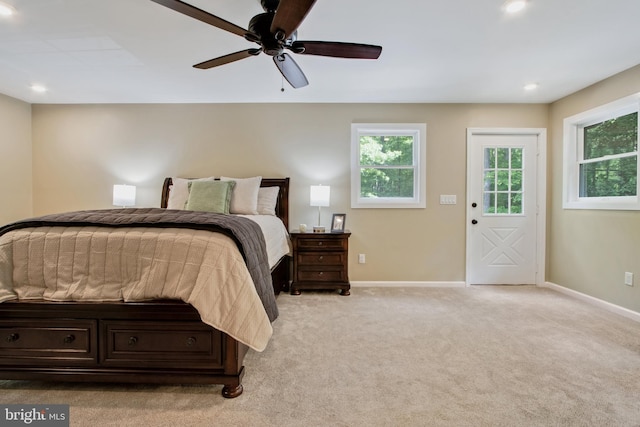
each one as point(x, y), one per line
point(38, 88)
point(513, 6)
point(6, 9)
point(531, 86)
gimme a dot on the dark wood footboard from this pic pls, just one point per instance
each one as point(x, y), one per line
point(145, 342)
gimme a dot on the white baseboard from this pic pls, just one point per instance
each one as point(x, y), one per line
point(633, 315)
point(382, 284)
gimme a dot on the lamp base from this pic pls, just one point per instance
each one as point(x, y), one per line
point(318, 229)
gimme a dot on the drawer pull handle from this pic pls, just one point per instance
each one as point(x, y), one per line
point(319, 243)
point(191, 341)
point(13, 337)
point(69, 339)
point(320, 258)
point(133, 341)
point(321, 273)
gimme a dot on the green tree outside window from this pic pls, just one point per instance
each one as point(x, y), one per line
point(386, 166)
point(610, 161)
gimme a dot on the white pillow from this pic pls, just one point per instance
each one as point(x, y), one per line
point(244, 199)
point(267, 199)
point(179, 191)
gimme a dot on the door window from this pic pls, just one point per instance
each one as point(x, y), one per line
point(503, 187)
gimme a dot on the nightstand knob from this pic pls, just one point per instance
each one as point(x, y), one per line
point(320, 258)
point(133, 341)
point(13, 337)
point(69, 339)
point(191, 341)
point(321, 273)
point(319, 243)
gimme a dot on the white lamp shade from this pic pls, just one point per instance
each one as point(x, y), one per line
point(320, 195)
point(124, 195)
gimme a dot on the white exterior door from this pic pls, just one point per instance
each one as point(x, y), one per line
point(502, 207)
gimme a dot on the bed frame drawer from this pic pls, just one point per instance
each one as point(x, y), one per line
point(168, 344)
point(27, 341)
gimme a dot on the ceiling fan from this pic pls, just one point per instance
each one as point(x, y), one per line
point(276, 30)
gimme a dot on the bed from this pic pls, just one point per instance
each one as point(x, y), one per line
point(175, 328)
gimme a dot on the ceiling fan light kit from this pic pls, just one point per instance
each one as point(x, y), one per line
point(275, 31)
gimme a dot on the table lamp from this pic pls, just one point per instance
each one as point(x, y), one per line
point(124, 195)
point(319, 196)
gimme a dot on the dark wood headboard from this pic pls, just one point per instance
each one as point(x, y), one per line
point(282, 206)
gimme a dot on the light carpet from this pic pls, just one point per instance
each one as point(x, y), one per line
point(478, 356)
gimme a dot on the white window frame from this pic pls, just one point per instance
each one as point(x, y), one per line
point(419, 133)
point(573, 154)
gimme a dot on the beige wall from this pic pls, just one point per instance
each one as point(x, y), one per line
point(80, 151)
point(15, 159)
point(590, 250)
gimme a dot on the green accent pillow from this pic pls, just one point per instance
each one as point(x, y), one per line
point(209, 196)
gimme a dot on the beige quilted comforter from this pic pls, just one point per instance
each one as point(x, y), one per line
point(74, 263)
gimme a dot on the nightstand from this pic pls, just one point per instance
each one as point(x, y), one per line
point(320, 261)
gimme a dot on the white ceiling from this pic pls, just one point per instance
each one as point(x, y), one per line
point(137, 51)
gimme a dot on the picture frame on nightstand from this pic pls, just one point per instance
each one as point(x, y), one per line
point(337, 223)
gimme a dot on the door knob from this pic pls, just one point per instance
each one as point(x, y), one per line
point(474, 221)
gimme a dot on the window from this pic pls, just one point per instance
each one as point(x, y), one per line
point(502, 192)
point(388, 164)
point(601, 157)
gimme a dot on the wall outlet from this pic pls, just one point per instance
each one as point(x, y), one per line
point(628, 278)
point(361, 259)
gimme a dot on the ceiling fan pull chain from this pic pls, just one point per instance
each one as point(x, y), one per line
point(281, 84)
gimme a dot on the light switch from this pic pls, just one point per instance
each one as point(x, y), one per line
point(447, 199)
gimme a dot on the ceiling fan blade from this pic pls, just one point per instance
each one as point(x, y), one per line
point(337, 49)
point(236, 56)
point(289, 15)
point(290, 70)
point(206, 17)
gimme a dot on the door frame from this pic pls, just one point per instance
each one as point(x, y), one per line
point(541, 194)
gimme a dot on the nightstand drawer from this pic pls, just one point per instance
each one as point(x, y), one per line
point(321, 276)
point(321, 258)
point(320, 244)
point(52, 341)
